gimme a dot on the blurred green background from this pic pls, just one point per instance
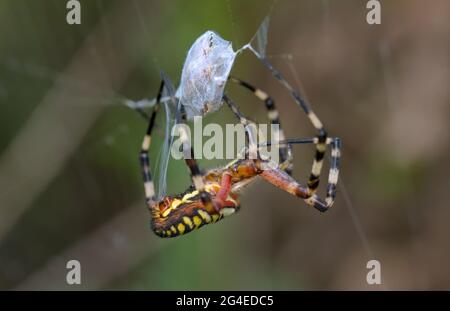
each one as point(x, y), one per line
point(70, 185)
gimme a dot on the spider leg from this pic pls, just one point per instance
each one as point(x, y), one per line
point(273, 114)
point(144, 159)
point(212, 207)
point(249, 134)
point(282, 180)
point(313, 180)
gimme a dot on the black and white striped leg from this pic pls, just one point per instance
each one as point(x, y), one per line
point(333, 176)
point(285, 151)
point(194, 170)
point(144, 159)
point(313, 180)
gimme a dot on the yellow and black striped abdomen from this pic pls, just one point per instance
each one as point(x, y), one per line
point(185, 214)
point(183, 221)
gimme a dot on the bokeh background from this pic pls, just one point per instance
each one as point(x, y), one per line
point(70, 185)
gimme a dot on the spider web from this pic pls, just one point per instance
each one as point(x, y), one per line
point(171, 109)
point(259, 41)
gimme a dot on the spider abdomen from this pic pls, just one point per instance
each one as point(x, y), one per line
point(186, 220)
point(174, 216)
